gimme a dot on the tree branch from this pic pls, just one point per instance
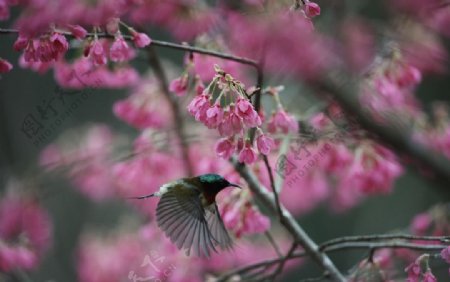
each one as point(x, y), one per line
point(339, 244)
point(178, 117)
point(288, 221)
point(342, 89)
point(378, 237)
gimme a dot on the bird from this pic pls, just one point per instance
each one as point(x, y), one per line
point(188, 214)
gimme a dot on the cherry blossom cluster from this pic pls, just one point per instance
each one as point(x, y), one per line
point(241, 216)
point(145, 107)
point(146, 254)
point(25, 233)
point(390, 88)
point(416, 271)
point(233, 115)
point(335, 161)
point(53, 45)
point(86, 158)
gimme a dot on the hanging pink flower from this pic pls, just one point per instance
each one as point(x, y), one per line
point(413, 270)
point(140, 39)
point(214, 116)
point(264, 144)
point(5, 66)
point(284, 122)
point(179, 85)
point(59, 44)
point(242, 217)
point(77, 31)
point(312, 9)
point(97, 53)
point(198, 107)
point(25, 233)
point(429, 277)
point(231, 124)
point(245, 110)
point(247, 154)
point(120, 51)
point(21, 42)
point(421, 223)
point(225, 148)
point(445, 254)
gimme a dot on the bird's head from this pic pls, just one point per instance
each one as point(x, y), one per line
point(215, 181)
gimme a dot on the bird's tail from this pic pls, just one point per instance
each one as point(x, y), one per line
point(142, 197)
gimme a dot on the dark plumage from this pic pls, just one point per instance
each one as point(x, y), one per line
point(188, 214)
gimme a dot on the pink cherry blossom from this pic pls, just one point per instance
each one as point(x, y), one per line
point(421, 223)
point(245, 110)
point(214, 116)
point(413, 270)
point(77, 31)
point(248, 154)
point(225, 148)
point(86, 162)
point(59, 44)
point(264, 144)
point(198, 107)
point(146, 107)
point(429, 277)
point(120, 51)
point(179, 85)
point(445, 254)
point(406, 76)
point(5, 66)
point(97, 53)
point(25, 233)
point(39, 67)
point(282, 121)
point(374, 171)
point(84, 73)
point(140, 39)
point(231, 124)
point(21, 42)
point(312, 9)
point(241, 216)
point(4, 10)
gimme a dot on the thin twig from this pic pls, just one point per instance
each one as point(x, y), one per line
point(341, 244)
point(283, 262)
point(383, 245)
point(443, 239)
point(272, 185)
point(178, 118)
point(273, 243)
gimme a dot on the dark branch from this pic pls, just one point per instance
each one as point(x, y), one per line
point(178, 117)
point(289, 222)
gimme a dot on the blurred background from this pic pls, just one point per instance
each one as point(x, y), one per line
point(72, 214)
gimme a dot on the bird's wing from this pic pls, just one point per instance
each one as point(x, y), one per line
point(181, 216)
point(217, 228)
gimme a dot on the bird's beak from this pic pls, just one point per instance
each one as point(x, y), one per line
point(235, 185)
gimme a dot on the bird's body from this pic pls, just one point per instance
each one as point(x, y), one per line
point(188, 214)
